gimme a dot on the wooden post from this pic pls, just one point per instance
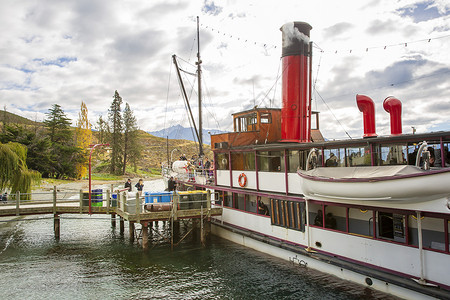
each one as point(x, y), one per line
point(56, 226)
point(202, 230)
point(175, 201)
point(121, 225)
point(144, 235)
point(108, 201)
point(113, 220)
point(81, 201)
point(131, 231)
point(17, 203)
point(54, 199)
point(138, 204)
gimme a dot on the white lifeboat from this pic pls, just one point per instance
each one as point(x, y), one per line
point(377, 183)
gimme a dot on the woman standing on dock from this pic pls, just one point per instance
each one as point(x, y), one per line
point(139, 186)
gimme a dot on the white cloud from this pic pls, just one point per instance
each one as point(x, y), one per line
point(71, 51)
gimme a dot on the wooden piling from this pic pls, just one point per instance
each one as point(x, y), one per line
point(113, 220)
point(144, 235)
point(121, 225)
point(54, 199)
point(81, 201)
point(56, 226)
point(131, 231)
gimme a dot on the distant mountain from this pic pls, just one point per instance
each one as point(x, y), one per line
point(180, 132)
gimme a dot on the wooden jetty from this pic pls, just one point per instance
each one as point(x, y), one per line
point(131, 209)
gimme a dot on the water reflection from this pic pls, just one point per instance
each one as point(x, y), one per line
point(92, 260)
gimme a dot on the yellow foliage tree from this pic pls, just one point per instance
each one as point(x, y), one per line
point(83, 138)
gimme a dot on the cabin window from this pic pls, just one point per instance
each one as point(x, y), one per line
point(435, 154)
point(250, 203)
point(392, 155)
point(334, 157)
point(447, 154)
point(227, 199)
point(433, 235)
point(222, 161)
point(237, 161)
point(359, 156)
point(271, 161)
point(218, 196)
point(266, 118)
point(336, 217)
point(289, 214)
point(360, 221)
point(263, 206)
point(246, 123)
point(316, 214)
point(239, 201)
point(391, 226)
point(297, 160)
point(249, 161)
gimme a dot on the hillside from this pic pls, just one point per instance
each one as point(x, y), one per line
point(178, 131)
point(154, 148)
point(7, 117)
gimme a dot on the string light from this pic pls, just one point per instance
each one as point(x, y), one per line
point(385, 47)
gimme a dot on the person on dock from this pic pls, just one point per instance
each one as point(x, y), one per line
point(172, 184)
point(140, 186)
point(128, 185)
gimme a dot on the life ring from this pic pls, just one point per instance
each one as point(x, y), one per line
point(242, 180)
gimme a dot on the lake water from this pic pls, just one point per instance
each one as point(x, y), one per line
point(93, 261)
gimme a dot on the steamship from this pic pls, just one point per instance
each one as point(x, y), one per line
point(373, 210)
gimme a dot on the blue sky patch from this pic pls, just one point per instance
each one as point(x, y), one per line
point(421, 12)
point(60, 61)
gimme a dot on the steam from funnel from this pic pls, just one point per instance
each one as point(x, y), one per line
point(367, 107)
point(394, 107)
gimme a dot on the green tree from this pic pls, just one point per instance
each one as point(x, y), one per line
point(64, 154)
point(14, 173)
point(132, 150)
point(102, 129)
point(58, 125)
point(115, 133)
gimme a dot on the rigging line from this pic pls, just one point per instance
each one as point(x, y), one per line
point(275, 89)
point(185, 104)
point(192, 48)
point(180, 58)
point(210, 103)
point(317, 73)
point(193, 74)
point(167, 98)
point(394, 84)
point(333, 114)
point(276, 80)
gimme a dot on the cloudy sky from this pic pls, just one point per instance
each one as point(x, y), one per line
point(66, 52)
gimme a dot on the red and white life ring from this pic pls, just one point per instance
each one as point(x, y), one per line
point(242, 180)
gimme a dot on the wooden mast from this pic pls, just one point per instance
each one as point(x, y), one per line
point(199, 74)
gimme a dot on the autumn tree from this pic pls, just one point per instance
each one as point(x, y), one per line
point(83, 140)
point(132, 148)
point(115, 133)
